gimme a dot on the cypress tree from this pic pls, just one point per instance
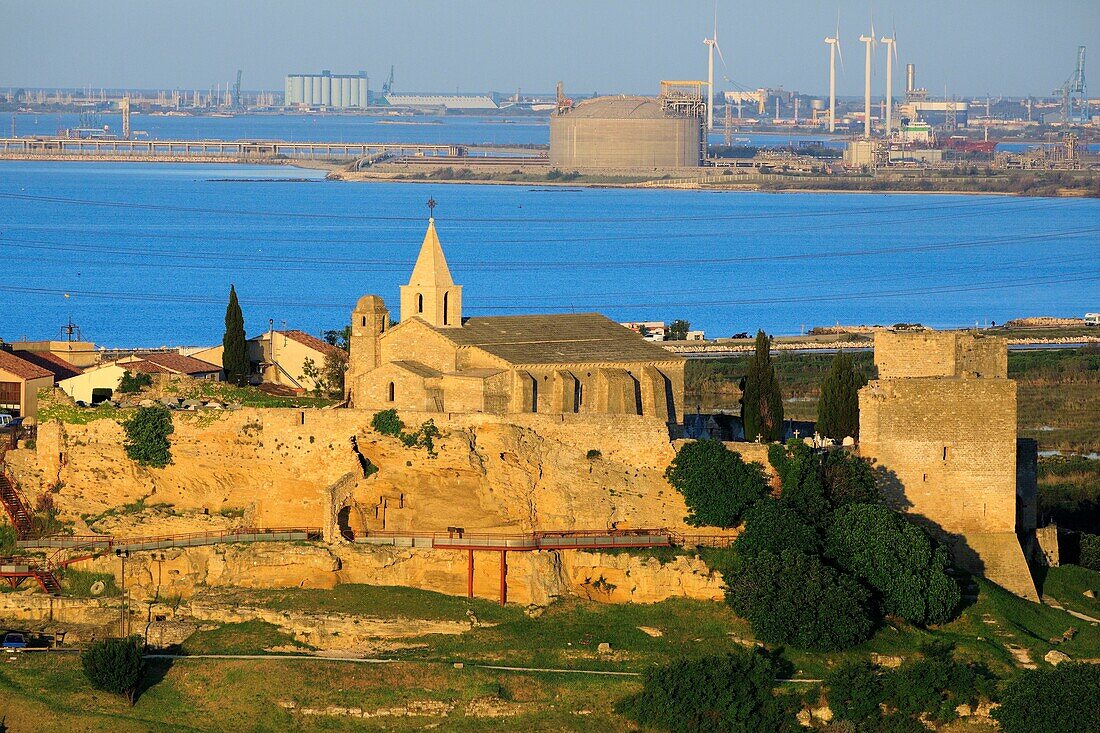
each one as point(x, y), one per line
point(234, 346)
point(838, 408)
point(761, 401)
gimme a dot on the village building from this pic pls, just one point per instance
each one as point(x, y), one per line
point(20, 381)
point(438, 361)
point(99, 383)
point(78, 353)
point(282, 358)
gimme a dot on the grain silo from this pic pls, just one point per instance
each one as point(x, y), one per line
point(628, 132)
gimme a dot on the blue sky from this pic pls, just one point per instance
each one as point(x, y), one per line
point(974, 47)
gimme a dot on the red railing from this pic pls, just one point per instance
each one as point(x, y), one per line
point(549, 539)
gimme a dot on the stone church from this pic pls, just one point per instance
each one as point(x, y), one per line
point(435, 360)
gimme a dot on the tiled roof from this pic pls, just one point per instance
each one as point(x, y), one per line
point(21, 368)
point(312, 342)
point(145, 367)
point(52, 363)
point(572, 338)
point(180, 364)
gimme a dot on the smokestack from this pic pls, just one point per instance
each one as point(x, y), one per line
point(910, 78)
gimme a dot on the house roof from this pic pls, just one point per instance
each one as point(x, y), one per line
point(52, 363)
point(144, 367)
point(570, 338)
point(21, 368)
point(311, 342)
point(180, 364)
point(421, 370)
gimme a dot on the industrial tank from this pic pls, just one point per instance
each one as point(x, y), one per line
point(624, 132)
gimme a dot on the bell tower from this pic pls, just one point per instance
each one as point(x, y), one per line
point(369, 321)
point(431, 293)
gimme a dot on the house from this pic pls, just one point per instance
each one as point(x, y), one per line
point(20, 381)
point(99, 383)
point(650, 330)
point(280, 357)
point(78, 353)
point(436, 360)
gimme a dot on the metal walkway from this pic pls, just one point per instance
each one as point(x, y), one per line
point(162, 542)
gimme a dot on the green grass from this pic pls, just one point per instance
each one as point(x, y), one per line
point(48, 693)
point(73, 415)
point(1068, 583)
point(78, 583)
point(247, 637)
point(253, 397)
point(372, 600)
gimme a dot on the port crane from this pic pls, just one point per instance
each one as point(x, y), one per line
point(237, 101)
point(387, 86)
point(1074, 92)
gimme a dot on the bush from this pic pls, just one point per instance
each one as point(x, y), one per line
point(114, 665)
point(147, 436)
point(593, 454)
point(1089, 551)
point(849, 478)
point(387, 422)
point(793, 598)
point(131, 383)
point(854, 691)
point(718, 486)
point(727, 693)
point(897, 559)
point(1063, 698)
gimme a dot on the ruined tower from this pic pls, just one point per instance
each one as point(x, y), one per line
point(431, 293)
point(939, 424)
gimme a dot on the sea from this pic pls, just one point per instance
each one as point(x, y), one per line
point(143, 255)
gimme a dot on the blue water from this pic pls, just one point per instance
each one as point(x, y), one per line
point(147, 252)
point(427, 129)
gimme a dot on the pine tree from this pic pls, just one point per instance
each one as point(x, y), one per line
point(762, 401)
point(838, 409)
point(234, 346)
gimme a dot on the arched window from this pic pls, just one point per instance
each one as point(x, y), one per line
point(446, 296)
point(419, 303)
point(364, 320)
point(391, 391)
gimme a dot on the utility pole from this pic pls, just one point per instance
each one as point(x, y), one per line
point(122, 554)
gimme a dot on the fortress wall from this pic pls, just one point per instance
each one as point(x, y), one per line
point(907, 354)
point(908, 426)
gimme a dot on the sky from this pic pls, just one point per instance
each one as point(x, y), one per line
point(971, 47)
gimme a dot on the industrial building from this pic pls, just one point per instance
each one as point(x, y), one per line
point(332, 91)
point(442, 101)
point(631, 132)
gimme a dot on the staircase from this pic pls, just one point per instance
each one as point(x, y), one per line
point(48, 581)
point(13, 505)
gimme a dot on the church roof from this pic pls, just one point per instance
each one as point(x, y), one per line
point(556, 339)
point(431, 266)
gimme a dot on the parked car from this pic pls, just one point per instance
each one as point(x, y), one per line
point(7, 422)
point(14, 641)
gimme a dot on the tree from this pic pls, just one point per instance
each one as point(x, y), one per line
point(855, 691)
point(762, 401)
point(794, 598)
point(734, 692)
point(131, 383)
point(678, 330)
point(838, 408)
point(147, 436)
point(234, 344)
point(772, 526)
point(849, 478)
point(907, 570)
point(718, 486)
point(114, 665)
point(1052, 700)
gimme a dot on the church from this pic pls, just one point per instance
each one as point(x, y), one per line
point(435, 360)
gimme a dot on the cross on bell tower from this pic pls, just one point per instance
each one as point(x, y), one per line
point(431, 207)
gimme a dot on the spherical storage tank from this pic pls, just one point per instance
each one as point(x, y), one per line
point(624, 132)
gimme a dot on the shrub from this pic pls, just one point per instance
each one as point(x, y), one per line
point(1053, 700)
point(771, 526)
point(147, 436)
point(8, 538)
point(849, 478)
point(1090, 551)
point(793, 598)
point(935, 685)
point(897, 559)
point(854, 691)
point(388, 423)
point(114, 665)
point(718, 486)
point(593, 454)
point(131, 383)
point(727, 693)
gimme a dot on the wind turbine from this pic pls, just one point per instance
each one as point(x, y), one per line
point(834, 50)
point(869, 42)
point(712, 45)
point(891, 57)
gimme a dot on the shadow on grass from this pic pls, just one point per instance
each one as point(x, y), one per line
point(155, 671)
